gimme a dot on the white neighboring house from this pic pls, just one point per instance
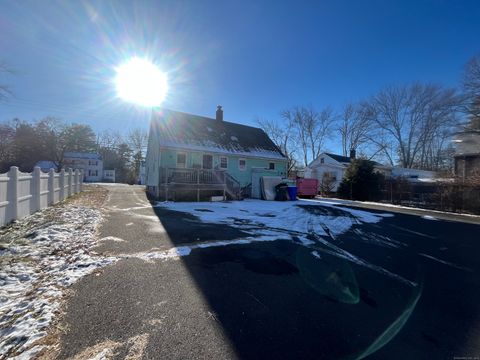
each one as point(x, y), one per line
point(335, 165)
point(109, 175)
point(90, 163)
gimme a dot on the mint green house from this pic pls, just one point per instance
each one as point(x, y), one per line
point(192, 157)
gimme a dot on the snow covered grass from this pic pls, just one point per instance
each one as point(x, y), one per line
point(40, 256)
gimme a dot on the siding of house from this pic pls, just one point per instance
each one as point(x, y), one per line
point(168, 158)
point(92, 168)
point(152, 161)
point(317, 169)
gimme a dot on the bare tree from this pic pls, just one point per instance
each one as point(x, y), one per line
point(311, 129)
point(327, 183)
point(137, 140)
point(471, 87)
point(409, 119)
point(354, 126)
point(281, 135)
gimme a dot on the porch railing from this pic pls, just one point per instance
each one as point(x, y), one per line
point(192, 176)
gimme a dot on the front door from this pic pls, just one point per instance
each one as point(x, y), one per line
point(207, 161)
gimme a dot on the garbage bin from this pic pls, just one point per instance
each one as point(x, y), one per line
point(292, 193)
point(281, 192)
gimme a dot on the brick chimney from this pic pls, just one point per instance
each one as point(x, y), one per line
point(352, 154)
point(219, 113)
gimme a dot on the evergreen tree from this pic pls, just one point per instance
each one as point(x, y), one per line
point(361, 182)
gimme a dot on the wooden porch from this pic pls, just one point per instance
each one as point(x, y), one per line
point(201, 182)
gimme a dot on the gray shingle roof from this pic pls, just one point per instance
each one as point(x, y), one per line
point(346, 159)
point(180, 130)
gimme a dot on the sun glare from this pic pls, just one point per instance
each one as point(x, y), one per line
point(141, 82)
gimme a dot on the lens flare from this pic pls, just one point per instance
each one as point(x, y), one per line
point(141, 82)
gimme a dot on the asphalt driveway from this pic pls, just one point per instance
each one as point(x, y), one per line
point(267, 280)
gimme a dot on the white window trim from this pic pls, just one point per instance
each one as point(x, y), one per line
point(176, 160)
point(220, 165)
point(239, 167)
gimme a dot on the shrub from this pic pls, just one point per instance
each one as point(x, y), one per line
point(361, 182)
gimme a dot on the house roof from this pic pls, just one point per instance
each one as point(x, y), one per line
point(80, 155)
point(46, 164)
point(339, 158)
point(346, 160)
point(185, 131)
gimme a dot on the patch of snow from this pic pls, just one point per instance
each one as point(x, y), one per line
point(428, 217)
point(233, 138)
point(316, 254)
point(111, 238)
point(285, 218)
point(35, 269)
point(334, 201)
point(273, 220)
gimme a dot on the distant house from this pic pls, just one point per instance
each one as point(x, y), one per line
point(335, 166)
point(91, 165)
point(109, 175)
point(46, 165)
point(190, 154)
point(467, 154)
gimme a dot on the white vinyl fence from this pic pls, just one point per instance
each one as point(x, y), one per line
point(22, 194)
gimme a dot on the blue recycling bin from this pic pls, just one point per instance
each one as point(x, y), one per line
point(292, 193)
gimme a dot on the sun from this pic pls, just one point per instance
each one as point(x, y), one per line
point(141, 82)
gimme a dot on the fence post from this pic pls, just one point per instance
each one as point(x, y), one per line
point(51, 188)
point(36, 186)
point(61, 180)
point(81, 181)
point(70, 178)
point(75, 181)
point(13, 185)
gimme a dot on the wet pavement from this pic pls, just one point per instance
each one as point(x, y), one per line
point(410, 291)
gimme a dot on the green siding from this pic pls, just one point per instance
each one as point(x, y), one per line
point(194, 159)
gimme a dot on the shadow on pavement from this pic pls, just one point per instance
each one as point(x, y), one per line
point(273, 300)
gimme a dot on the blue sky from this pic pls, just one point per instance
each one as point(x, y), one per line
point(253, 57)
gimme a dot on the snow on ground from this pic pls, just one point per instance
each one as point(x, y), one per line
point(40, 256)
point(335, 201)
point(261, 217)
point(314, 228)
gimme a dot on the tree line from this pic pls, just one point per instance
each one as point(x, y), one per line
point(407, 125)
point(24, 143)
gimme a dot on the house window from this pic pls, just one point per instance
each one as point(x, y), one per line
point(242, 164)
point(181, 160)
point(271, 166)
point(207, 161)
point(92, 172)
point(332, 175)
point(92, 162)
point(322, 160)
point(223, 162)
